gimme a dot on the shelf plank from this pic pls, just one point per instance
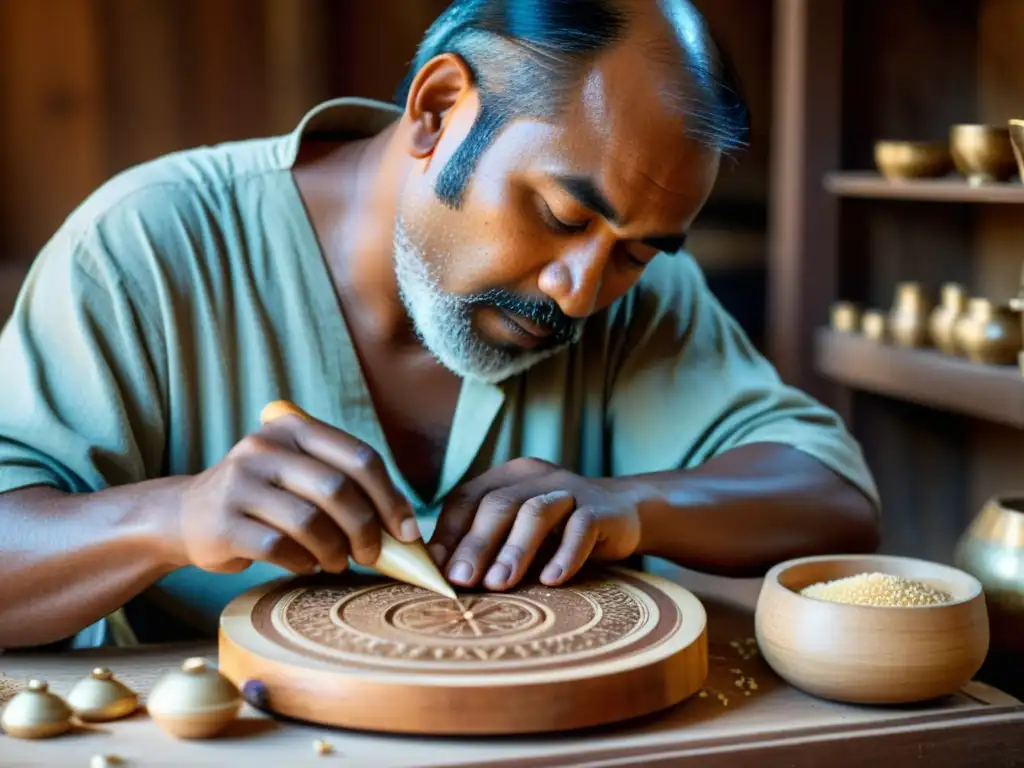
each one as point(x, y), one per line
point(951, 189)
point(922, 376)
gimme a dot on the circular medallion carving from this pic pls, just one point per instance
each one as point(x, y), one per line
point(354, 650)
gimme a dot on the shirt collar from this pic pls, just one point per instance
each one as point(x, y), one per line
point(343, 118)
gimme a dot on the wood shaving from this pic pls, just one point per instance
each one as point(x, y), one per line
point(321, 747)
point(8, 687)
point(746, 649)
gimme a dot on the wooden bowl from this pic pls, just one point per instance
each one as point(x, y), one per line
point(1017, 141)
point(871, 655)
point(983, 153)
point(898, 160)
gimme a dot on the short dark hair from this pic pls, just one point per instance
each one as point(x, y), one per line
point(527, 55)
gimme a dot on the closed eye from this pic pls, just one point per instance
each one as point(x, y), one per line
point(554, 222)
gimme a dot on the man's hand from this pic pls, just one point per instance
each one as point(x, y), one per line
point(492, 528)
point(298, 493)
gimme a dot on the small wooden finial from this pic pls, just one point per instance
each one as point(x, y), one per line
point(101, 697)
point(194, 665)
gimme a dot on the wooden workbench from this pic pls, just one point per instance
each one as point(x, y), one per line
point(767, 724)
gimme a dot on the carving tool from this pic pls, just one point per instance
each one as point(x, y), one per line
point(407, 562)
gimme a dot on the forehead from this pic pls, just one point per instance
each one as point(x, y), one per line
point(623, 128)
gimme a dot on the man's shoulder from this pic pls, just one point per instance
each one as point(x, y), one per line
point(154, 218)
point(670, 285)
point(672, 276)
point(190, 182)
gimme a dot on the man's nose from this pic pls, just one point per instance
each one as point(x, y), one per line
point(574, 280)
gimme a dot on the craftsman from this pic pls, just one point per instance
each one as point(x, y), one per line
point(483, 297)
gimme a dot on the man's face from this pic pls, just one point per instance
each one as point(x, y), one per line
point(558, 221)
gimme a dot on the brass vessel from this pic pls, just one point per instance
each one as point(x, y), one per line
point(1017, 303)
point(845, 317)
point(945, 315)
point(983, 153)
point(992, 550)
point(899, 160)
point(873, 325)
point(908, 318)
point(1017, 140)
point(988, 333)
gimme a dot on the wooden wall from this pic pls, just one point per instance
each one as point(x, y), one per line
point(90, 87)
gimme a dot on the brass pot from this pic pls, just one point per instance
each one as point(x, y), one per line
point(908, 318)
point(944, 317)
point(992, 550)
point(988, 333)
point(845, 317)
point(873, 325)
point(983, 153)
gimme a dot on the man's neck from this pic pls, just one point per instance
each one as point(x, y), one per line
point(351, 191)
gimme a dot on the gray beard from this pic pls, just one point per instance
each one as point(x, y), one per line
point(443, 322)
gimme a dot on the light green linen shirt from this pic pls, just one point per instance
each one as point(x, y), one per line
point(187, 292)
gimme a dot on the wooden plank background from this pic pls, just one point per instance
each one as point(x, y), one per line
point(90, 87)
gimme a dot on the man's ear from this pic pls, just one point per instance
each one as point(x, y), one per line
point(435, 90)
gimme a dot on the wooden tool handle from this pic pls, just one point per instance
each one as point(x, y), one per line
point(278, 408)
point(408, 562)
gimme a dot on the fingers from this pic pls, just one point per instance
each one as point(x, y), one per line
point(533, 524)
point(578, 542)
point(460, 508)
point(324, 488)
point(453, 523)
point(354, 458)
point(499, 514)
point(303, 521)
point(252, 540)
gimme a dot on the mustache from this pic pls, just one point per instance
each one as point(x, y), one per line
point(543, 312)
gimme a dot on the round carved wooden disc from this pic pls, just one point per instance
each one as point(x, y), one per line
point(371, 653)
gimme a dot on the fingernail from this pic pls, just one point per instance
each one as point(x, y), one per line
point(409, 529)
point(438, 552)
point(497, 575)
point(461, 571)
point(552, 572)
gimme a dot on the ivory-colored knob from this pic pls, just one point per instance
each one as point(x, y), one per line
point(195, 702)
point(36, 713)
point(101, 696)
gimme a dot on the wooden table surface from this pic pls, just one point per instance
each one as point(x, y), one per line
point(731, 724)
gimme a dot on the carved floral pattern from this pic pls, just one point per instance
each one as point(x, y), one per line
point(403, 622)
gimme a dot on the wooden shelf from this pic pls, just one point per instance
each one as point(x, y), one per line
point(952, 189)
point(926, 377)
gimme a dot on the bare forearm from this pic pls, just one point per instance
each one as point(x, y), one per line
point(71, 559)
point(749, 508)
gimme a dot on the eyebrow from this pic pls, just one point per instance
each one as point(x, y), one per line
point(586, 193)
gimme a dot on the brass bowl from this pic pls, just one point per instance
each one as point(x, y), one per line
point(1017, 141)
point(865, 654)
point(983, 153)
point(898, 160)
